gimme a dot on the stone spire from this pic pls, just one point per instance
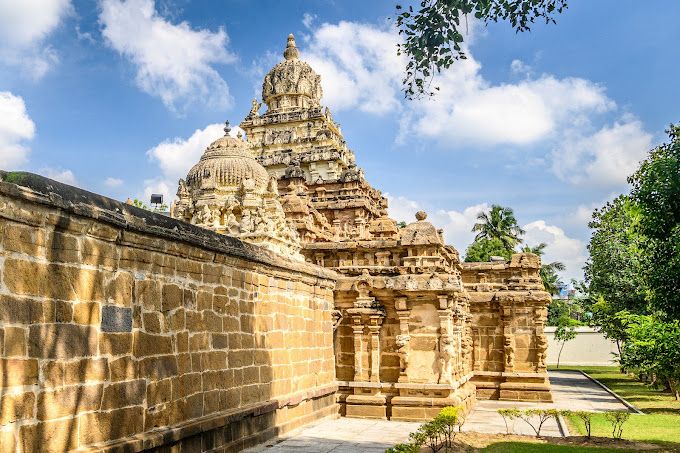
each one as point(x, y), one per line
point(292, 84)
point(229, 192)
point(291, 52)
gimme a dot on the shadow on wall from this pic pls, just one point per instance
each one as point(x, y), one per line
point(108, 333)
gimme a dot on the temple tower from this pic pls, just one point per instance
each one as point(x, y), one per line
point(297, 138)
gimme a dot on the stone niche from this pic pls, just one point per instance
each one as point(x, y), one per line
point(125, 330)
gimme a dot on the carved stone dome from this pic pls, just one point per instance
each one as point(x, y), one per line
point(420, 232)
point(291, 83)
point(226, 163)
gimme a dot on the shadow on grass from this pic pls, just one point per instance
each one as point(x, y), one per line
point(661, 410)
point(530, 447)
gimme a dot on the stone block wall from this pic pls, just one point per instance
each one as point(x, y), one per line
point(509, 310)
point(123, 329)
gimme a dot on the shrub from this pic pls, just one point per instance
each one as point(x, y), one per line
point(542, 415)
point(451, 418)
point(617, 419)
point(585, 416)
point(509, 415)
point(434, 434)
point(418, 439)
point(404, 448)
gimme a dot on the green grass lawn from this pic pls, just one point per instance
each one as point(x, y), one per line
point(661, 424)
point(525, 447)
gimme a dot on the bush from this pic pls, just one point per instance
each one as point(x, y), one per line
point(617, 420)
point(451, 418)
point(543, 416)
point(418, 439)
point(585, 416)
point(434, 432)
point(404, 448)
point(509, 415)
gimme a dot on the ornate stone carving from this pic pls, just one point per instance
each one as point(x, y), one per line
point(446, 357)
point(291, 83)
point(509, 349)
point(402, 349)
point(228, 191)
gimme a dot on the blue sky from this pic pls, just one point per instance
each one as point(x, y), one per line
point(120, 97)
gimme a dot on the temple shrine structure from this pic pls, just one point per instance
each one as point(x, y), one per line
point(415, 329)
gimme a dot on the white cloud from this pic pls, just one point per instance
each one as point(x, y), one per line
point(173, 61)
point(457, 225)
point(470, 110)
point(61, 175)
point(361, 70)
point(16, 127)
point(159, 186)
point(521, 68)
point(308, 20)
point(560, 247)
point(604, 158)
point(176, 156)
point(113, 182)
point(358, 64)
point(24, 26)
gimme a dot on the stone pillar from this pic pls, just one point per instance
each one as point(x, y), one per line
point(319, 258)
point(476, 349)
point(458, 318)
point(358, 330)
point(383, 258)
point(541, 339)
point(508, 338)
point(375, 321)
point(446, 346)
point(403, 313)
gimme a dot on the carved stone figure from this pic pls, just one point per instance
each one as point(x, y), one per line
point(509, 352)
point(402, 349)
point(254, 109)
point(446, 356)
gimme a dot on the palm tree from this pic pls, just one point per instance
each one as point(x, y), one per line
point(548, 272)
point(551, 281)
point(499, 223)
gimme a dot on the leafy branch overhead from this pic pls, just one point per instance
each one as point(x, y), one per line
point(433, 34)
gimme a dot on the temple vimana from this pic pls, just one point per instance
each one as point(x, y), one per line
point(279, 291)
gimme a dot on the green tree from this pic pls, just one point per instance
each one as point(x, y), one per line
point(433, 35)
point(566, 331)
point(481, 250)
point(499, 223)
point(653, 347)
point(548, 272)
point(139, 203)
point(613, 272)
point(656, 192)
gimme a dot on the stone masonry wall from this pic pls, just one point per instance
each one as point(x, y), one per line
point(509, 310)
point(122, 328)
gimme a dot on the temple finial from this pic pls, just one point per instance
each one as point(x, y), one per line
point(227, 128)
point(291, 52)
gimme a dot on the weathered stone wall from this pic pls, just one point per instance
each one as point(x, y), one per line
point(122, 326)
point(509, 309)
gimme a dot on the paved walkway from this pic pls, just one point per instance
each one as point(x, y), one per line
point(571, 390)
point(342, 435)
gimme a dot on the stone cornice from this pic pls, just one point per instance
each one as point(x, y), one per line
point(34, 188)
